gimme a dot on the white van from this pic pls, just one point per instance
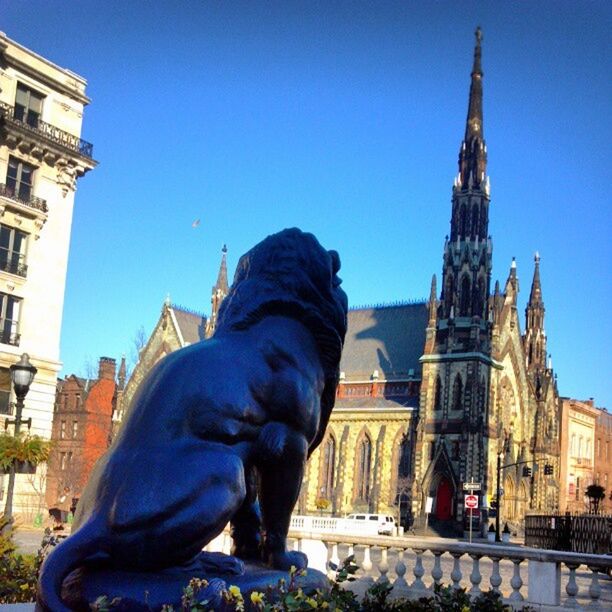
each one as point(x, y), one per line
point(380, 524)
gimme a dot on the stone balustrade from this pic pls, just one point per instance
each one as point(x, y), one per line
point(542, 579)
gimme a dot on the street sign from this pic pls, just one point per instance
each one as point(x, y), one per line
point(471, 501)
point(471, 486)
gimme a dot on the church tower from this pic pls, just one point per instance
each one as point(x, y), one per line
point(452, 432)
point(219, 291)
point(535, 337)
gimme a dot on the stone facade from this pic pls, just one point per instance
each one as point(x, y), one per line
point(41, 158)
point(578, 446)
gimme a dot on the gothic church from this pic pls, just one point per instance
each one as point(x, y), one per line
point(430, 392)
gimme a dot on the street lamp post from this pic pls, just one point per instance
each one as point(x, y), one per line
point(498, 494)
point(22, 375)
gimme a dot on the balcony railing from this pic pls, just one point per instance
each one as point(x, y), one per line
point(27, 200)
point(8, 335)
point(74, 143)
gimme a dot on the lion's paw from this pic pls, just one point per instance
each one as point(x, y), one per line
point(288, 559)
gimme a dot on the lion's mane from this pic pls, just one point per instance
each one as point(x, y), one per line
point(291, 274)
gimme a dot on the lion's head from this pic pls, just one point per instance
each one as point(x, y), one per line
point(291, 274)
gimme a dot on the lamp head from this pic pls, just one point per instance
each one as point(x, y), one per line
point(22, 375)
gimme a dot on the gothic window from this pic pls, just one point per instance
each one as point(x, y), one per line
point(403, 469)
point(438, 394)
point(464, 304)
point(432, 450)
point(329, 462)
point(475, 221)
point(455, 453)
point(480, 297)
point(457, 393)
point(364, 458)
point(463, 221)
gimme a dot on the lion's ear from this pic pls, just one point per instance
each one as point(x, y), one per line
point(335, 261)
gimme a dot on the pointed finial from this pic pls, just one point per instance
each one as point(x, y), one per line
point(478, 34)
point(167, 300)
point(224, 249)
point(433, 292)
point(536, 257)
point(513, 264)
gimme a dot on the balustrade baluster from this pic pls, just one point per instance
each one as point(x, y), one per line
point(475, 576)
point(595, 588)
point(456, 574)
point(335, 559)
point(366, 568)
point(400, 586)
point(383, 566)
point(436, 572)
point(418, 585)
point(517, 582)
point(571, 588)
point(496, 578)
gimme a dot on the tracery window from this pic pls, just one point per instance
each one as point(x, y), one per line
point(329, 463)
point(438, 394)
point(364, 458)
point(466, 296)
point(457, 393)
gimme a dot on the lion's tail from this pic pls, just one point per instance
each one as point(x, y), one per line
point(68, 555)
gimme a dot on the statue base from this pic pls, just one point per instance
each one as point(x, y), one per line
point(149, 591)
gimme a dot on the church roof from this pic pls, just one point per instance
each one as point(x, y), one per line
point(389, 339)
point(191, 324)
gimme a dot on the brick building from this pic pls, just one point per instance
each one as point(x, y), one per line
point(82, 424)
point(603, 455)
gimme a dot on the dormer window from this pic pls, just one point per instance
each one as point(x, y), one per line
point(28, 105)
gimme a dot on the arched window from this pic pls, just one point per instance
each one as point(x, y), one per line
point(364, 458)
point(458, 393)
point(438, 394)
point(474, 221)
point(480, 298)
point(466, 296)
point(403, 468)
point(329, 474)
point(463, 221)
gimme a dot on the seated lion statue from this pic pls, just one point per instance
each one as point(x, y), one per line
point(220, 431)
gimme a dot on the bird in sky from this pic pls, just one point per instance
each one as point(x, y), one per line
point(196, 223)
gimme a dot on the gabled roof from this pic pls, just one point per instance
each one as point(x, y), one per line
point(191, 324)
point(389, 339)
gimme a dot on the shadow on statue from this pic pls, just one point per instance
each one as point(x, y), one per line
point(218, 432)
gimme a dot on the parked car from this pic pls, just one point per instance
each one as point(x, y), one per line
point(381, 524)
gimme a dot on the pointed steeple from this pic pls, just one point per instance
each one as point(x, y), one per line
point(219, 291)
point(433, 302)
point(534, 339)
point(535, 297)
point(473, 151)
point(222, 284)
point(122, 374)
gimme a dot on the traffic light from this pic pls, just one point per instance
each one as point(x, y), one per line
point(526, 470)
point(548, 469)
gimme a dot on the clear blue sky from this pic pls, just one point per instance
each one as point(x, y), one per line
point(342, 118)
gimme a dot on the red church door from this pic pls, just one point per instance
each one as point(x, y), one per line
point(444, 500)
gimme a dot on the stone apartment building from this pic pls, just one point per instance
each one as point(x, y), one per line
point(578, 446)
point(41, 158)
point(82, 427)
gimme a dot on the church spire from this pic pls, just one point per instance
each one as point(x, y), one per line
point(473, 152)
point(219, 291)
point(535, 336)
